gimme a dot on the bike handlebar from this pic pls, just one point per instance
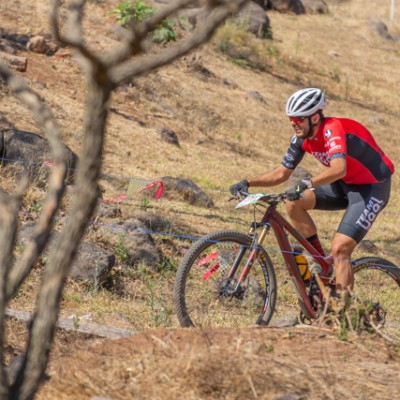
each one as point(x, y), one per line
point(273, 198)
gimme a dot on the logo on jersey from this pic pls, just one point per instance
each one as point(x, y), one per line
point(323, 157)
point(289, 157)
point(370, 213)
point(294, 139)
point(328, 133)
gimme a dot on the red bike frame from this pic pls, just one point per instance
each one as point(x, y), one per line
point(272, 218)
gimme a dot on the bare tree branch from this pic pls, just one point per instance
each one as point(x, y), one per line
point(126, 71)
point(9, 207)
point(132, 45)
point(53, 197)
point(74, 35)
point(84, 202)
point(103, 74)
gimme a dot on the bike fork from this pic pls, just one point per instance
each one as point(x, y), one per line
point(254, 249)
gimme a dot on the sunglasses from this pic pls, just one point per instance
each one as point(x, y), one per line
point(297, 120)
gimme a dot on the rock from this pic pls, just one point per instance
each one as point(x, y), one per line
point(252, 13)
point(379, 27)
point(32, 152)
point(104, 210)
point(168, 135)
point(135, 243)
point(152, 221)
point(37, 44)
point(91, 265)
point(284, 322)
point(187, 190)
point(256, 19)
point(287, 6)
point(299, 174)
point(315, 6)
point(368, 245)
point(257, 96)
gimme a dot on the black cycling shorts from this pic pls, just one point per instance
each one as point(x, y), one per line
point(362, 203)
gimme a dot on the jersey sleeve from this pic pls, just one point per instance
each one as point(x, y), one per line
point(294, 154)
point(335, 140)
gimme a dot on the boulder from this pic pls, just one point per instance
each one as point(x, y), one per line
point(299, 174)
point(380, 28)
point(315, 6)
point(133, 243)
point(287, 6)
point(168, 135)
point(255, 18)
point(37, 44)
point(91, 265)
point(187, 191)
point(32, 152)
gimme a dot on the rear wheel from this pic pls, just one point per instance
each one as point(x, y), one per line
point(206, 295)
point(377, 286)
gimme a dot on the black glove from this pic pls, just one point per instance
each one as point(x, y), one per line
point(238, 187)
point(295, 192)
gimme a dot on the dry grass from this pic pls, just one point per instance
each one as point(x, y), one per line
point(225, 134)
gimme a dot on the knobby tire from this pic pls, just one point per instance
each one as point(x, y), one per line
point(202, 295)
point(377, 282)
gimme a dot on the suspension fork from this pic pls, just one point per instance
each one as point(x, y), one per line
point(254, 250)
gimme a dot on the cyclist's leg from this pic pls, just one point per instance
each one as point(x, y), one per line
point(342, 249)
point(299, 216)
point(327, 197)
point(365, 203)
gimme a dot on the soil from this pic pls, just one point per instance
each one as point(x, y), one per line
point(293, 363)
point(252, 363)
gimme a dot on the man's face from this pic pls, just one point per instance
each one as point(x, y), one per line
point(301, 126)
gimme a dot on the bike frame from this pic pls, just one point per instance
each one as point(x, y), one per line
point(273, 219)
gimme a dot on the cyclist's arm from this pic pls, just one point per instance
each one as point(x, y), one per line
point(271, 178)
point(337, 170)
point(282, 173)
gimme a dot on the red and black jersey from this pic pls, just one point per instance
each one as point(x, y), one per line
point(342, 137)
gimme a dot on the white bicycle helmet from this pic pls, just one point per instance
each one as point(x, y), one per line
point(305, 102)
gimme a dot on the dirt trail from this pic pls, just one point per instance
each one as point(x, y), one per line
point(259, 363)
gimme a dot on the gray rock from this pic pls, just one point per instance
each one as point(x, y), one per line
point(91, 265)
point(257, 96)
point(105, 210)
point(32, 152)
point(379, 27)
point(134, 243)
point(284, 322)
point(287, 6)
point(368, 245)
point(315, 6)
point(299, 174)
point(187, 190)
point(256, 19)
point(168, 135)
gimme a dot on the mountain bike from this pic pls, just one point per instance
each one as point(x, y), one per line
point(227, 278)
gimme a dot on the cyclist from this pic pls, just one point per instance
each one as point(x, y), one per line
point(357, 178)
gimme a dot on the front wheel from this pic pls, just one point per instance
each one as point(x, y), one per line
point(207, 291)
point(377, 285)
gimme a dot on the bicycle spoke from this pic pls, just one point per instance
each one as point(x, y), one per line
point(379, 290)
point(212, 294)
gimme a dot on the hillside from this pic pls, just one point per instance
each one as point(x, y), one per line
point(228, 114)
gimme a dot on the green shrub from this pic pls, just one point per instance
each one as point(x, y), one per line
point(243, 47)
point(140, 11)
